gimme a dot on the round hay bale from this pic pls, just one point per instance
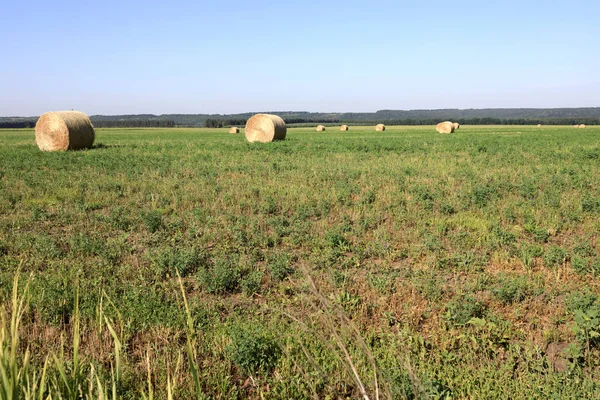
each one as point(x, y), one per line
point(64, 130)
point(539, 125)
point(575, 126)
point(344, 128)
point(455, 125)
point(380, 127)
point(445, 127)
point(265, 128)
point(234, 129)
point(320, 128)
point(582, 126)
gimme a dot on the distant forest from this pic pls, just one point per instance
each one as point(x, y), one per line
point(490, 116)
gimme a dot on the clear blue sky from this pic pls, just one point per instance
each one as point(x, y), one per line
point(124, 57)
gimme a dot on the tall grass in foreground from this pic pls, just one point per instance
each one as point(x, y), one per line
point(61, 376)
point(68, 375)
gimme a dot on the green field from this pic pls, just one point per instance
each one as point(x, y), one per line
point(413, 264)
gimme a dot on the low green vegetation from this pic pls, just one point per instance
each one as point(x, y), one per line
point(188, 263)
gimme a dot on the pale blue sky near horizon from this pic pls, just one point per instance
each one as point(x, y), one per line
point(155, 57)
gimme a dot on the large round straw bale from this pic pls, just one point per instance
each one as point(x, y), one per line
point(456, 125)
point(380, 127)
point(344, 128)
point(64, 130)
point(320, 128)
point(265, 128)
point(445, 127)
point(234, 129)
point(582, 126)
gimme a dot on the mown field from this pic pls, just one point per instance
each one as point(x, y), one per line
point(333, 265)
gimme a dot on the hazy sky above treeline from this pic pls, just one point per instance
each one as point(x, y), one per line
point(129, 57)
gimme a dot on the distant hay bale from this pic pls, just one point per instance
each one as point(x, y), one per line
point(539, 125)
point(265, 128)
point(64, 130)
point(575, 126)
point(380, 127)
point(445, 127)
point(456, 125)
point(234, 129)
point(320, 128)
point(344, 128)
point(582, 126)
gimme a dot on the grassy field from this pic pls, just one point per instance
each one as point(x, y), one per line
point(330, 265)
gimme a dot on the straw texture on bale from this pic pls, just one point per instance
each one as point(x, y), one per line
point(582, 126)
point(380, 127)
point(456, 125)
point(344, 128)
point(445, 127)
point(64, 130)
point(234, 129)
point(320, 128)
point(265, 128)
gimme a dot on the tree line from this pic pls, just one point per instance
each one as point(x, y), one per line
point(141, 123)
point(220, 123)
point(134, 123)
point(17, 124)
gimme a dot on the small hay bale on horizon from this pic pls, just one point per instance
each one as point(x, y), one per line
point(380, 127)
point(320, 128)
point(344, 128)
point(64, 130)
point(445, 127)
point(234, 129)
point(539, 125)
point(582, 126)
point(265, 128)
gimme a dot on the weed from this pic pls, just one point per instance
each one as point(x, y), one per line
point(447, 209)
point(461, 309)
point(590, 204)
point(253, 350)
point(554, 257)
point(528, 253)
point(336, 239)
point(584, 250)
point(152, 220)
point(119, 219)
point(580, 265)
point(280, 265)
point(172, 261)
point(481, 195)
point(510, 291)
point(251, 282)
point(540, 234)
point(222, 277)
